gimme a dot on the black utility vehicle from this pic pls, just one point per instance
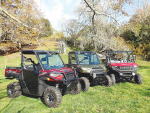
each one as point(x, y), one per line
point(42, 74)
point(121, 64)
point(88, 68)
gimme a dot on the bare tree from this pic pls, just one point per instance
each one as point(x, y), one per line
point(13, 12)
point(71, 28)
point(101, 19)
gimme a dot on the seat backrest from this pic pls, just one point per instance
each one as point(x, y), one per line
point(30, 68)
point(38, 67)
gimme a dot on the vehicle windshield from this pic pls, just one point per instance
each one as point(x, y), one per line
point(88, 59)
point(51, 61)
point(121, 57)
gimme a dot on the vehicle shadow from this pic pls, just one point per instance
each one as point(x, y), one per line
point(34, 97)
point(9, 78)
point(133, 82)
point(31, 96)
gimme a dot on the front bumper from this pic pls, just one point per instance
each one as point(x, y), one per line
point(125, 72)
point(127, 76)
point(128, 69)
point(67, 84)
point(98, 78)
point(70, 85)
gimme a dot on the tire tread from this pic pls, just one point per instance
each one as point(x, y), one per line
point(17, 89)
point(56, 92)
point(86, 82)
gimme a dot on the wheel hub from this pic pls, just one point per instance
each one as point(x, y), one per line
point(10, 91)
point(50, 98)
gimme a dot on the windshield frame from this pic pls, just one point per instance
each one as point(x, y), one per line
point(50, 55)
point(91, 53)
point(119, 52)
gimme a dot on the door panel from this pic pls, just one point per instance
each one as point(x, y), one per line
point(31, 80)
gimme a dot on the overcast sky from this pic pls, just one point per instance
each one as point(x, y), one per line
point(56, 10)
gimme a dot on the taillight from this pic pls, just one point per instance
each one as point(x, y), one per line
point(18, 71)
point(6, 70)
point(12, 71)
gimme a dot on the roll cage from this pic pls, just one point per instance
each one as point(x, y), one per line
point(111, 56)
point(36, 53)
point(76, 58)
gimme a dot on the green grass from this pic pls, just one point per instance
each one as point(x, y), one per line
point(121, 98)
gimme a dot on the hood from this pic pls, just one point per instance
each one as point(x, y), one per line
point(123, 64)
point(88, 68)
point(61, 70)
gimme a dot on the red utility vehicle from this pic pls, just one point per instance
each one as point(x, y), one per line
point(42, 74)
point(121, 66)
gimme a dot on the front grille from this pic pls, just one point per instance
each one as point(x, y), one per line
point(126, 67)
point(69, 75)
point(97, 70)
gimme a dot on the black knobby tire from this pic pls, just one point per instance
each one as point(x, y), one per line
point(108, 81)
point(138, 79)
point(14, 90)
point(76, 90)
point(52, 97)
point(85, 84)
point(112, 76)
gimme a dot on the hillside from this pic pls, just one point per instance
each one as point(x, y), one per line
point(124, 97)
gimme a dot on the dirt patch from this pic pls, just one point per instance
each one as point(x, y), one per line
point(29, 47)
point(8, 51)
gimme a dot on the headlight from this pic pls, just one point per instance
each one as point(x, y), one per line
point(115, 66)
point(86, 70)
point(135, 66)
point(55, 74)
point(133, 73)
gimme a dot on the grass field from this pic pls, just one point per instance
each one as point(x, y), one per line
point(124, 97)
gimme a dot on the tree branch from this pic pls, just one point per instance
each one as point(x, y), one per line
point(98, 13)
point(12, 17)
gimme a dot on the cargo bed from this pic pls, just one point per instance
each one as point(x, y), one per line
point(12, 72)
